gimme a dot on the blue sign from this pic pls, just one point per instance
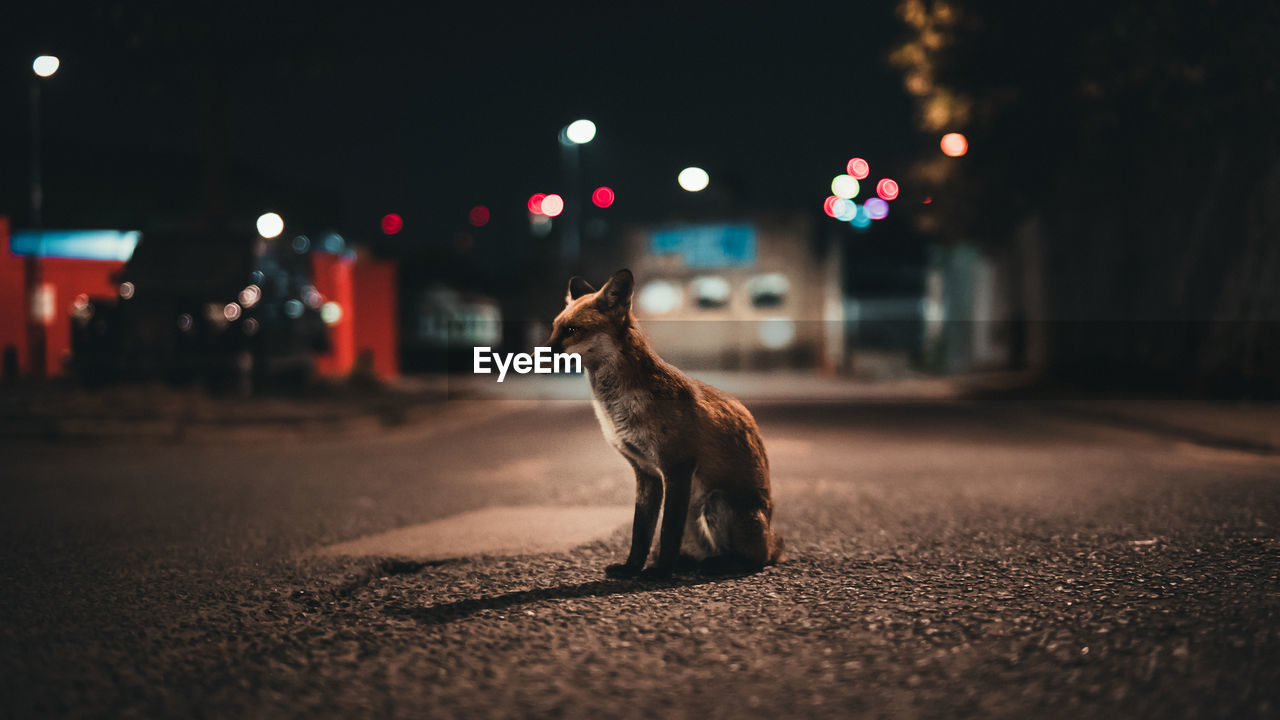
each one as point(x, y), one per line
point(708, 246)
point(75, 244)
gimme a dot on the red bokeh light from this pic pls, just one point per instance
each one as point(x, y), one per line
point(858, 168)
point(887, 189)
point(392, 223)
point(479, 216)
point(535, 203)
point(829, 205)
point(552, 205)
point(602, 197)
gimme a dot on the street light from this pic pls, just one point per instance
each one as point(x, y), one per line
point(270, 225)
point(580, 132)
point(46, 65)
point(43, 66)
point(572, 136)
point(693, 179)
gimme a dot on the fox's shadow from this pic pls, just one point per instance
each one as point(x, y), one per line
point(444, 613)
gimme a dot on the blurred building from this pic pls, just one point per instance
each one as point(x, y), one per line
point(750, 293)
point(218, 308)
point(362, 297)
point(71, 270)
point(448, 324)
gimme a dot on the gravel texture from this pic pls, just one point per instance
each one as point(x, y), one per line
point(946, 560)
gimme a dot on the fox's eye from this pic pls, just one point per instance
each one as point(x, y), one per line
point(569, 330)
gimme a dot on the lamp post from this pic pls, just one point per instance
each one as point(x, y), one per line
point(573, 135)
point(43, 66)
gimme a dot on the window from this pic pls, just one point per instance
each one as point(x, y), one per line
point(768, 290)
point(710, 291)
point(659, 297)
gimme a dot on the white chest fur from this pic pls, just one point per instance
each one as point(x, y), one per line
point(619, 414)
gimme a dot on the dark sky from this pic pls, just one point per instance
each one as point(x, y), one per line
point(429, 110)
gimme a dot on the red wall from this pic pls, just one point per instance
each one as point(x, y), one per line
point(377, 323)
point(332, 275)
point(365, 289)
point(95, 278)
point(13, 305)
point(69, 278)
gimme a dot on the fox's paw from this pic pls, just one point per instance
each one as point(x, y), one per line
point(655, 572)
point(621, 570)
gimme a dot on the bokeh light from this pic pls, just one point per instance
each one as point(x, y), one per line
point(580, 132)
point(829, 205)
point(301, 244)
point(535, 203)
point(331, 313)
point(270, 225)
point(693, 179)
point(887, 188)
point(858, 168)
point(311, 296)
point(293, 308)
point(954, 144)
point(250, 296)
point(552, 205)
point(46, 65)
point(861, 221)
point(126, 290)
point(845, 186)
point(659, 297)
point(392, 224)
point(877, 209)
point(777, 333)
point(479, 216)
point(602, 197)
point(185, 322)
point(845, 209)
point(231, 311)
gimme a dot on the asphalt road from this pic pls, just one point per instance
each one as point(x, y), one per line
point(947, 558)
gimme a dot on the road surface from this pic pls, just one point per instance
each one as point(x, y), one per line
point(946, 558)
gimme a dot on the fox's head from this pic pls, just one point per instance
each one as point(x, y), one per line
point(593, 321)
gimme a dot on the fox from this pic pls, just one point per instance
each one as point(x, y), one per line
point(696, 450)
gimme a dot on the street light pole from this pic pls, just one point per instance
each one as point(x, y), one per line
point(572, 136)
point(43, 67)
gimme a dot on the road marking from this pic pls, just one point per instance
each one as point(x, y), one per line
point(526, 530)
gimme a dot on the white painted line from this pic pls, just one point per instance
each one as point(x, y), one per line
point(525, 530)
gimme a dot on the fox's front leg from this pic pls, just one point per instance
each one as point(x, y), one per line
point(675, 510)
point(648, 501)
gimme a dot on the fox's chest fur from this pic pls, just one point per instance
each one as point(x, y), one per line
point(622, 416)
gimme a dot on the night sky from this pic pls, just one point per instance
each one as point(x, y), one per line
point(427, 111)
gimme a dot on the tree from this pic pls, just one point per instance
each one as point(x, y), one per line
point(1142, 139)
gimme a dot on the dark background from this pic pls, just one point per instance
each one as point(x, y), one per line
point(1126, 156)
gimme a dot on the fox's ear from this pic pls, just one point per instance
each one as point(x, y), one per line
point(615, 296)
point(577, 288)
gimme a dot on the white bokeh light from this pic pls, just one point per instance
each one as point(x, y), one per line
point(777, 333)
point(580, 132)
point(331, 313)
point(46, 65)
point(693, 179)
point(845, 186)
point(270, 225)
